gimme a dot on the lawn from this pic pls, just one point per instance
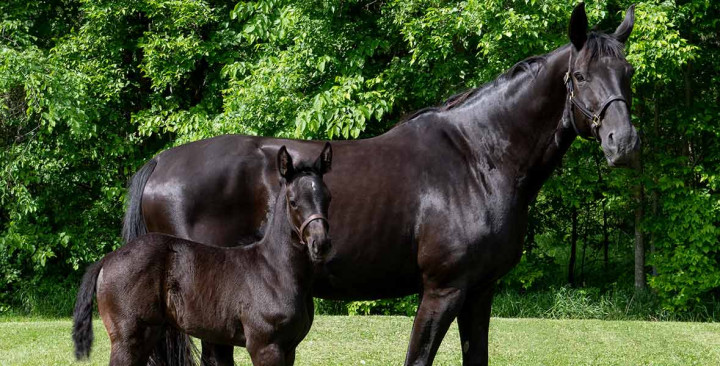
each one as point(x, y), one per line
point(376, 340)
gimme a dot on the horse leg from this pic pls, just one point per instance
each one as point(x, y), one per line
point(437, 309)
point(216, 354)
point(290, 357)
point(126, 356)
point(134, 347)
point(120, 356)
point(267, 355)
point(474, 322)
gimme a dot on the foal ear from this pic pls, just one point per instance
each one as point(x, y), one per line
point(625, 28)
point(578, 27)
point(324, 161)
point(284, 163)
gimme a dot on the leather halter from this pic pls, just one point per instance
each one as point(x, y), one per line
point(595, 118)
point(305, 223)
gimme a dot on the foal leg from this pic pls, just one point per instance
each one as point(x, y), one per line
point(216, 354)
point(437, 309)
point(133, 348)
point(123, 355)
point(267, 355)
point(474, 322)
point(290, 357)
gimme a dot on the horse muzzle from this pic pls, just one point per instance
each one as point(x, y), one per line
point(622, 150)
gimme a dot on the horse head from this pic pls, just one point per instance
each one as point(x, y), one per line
point(598, 84)
point(307, 199)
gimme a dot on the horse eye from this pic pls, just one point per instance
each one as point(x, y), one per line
point(293, 204)
point(579, 76)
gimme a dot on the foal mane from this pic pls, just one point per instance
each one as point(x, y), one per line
point(598, 45)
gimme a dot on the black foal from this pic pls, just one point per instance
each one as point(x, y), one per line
point(255, 296)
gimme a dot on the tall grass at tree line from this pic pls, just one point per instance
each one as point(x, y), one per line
point(57, 300)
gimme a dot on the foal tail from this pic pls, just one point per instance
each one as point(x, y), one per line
point(82, 316)
point(133, 222)
point(175, 349)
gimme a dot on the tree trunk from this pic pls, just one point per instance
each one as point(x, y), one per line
point(585, 242)
point(606, 239)
point(573, 248)
point(530, 239)
point(655, 196)
point(639, 240)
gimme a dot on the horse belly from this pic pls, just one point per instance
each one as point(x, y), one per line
point(500, 250)
point(203, 293)
point(205, 318)
point(360, 268)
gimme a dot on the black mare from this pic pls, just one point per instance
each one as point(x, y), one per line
point(437, 205)
point(256, 296)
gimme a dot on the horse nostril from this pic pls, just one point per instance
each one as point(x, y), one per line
point(315, 248)
point(610, 137)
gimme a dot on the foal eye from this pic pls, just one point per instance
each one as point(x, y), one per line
point(579, 76)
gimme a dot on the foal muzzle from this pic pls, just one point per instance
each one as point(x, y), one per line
point(311, 218)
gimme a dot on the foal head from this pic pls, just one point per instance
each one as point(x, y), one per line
point(307, 199)
point(599, 78)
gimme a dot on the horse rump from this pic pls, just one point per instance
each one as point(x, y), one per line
point(133, 222)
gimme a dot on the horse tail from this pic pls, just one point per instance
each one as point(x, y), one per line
point(133, 222)
point(175, 349)
point(82, 316)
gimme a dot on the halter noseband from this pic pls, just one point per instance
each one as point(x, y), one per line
point(305, 223)
point(594, 117)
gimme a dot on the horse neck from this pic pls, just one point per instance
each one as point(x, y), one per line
point(515, 124)
point(280, 245)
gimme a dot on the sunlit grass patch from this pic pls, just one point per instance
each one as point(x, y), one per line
point(380, 340)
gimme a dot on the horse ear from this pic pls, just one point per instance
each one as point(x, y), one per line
point(622, 33)
point(284, 163)
point(324, 161)
point(578, 27)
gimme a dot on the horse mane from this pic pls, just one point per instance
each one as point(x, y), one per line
point(523, 67)
point(597, 45)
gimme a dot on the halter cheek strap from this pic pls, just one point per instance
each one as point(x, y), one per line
point(595, 118)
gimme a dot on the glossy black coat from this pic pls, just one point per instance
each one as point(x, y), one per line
point(437, 205)
point(257, 296)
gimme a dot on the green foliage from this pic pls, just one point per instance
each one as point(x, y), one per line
point(90, 89)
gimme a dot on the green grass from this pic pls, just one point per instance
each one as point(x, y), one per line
point(378, 340)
